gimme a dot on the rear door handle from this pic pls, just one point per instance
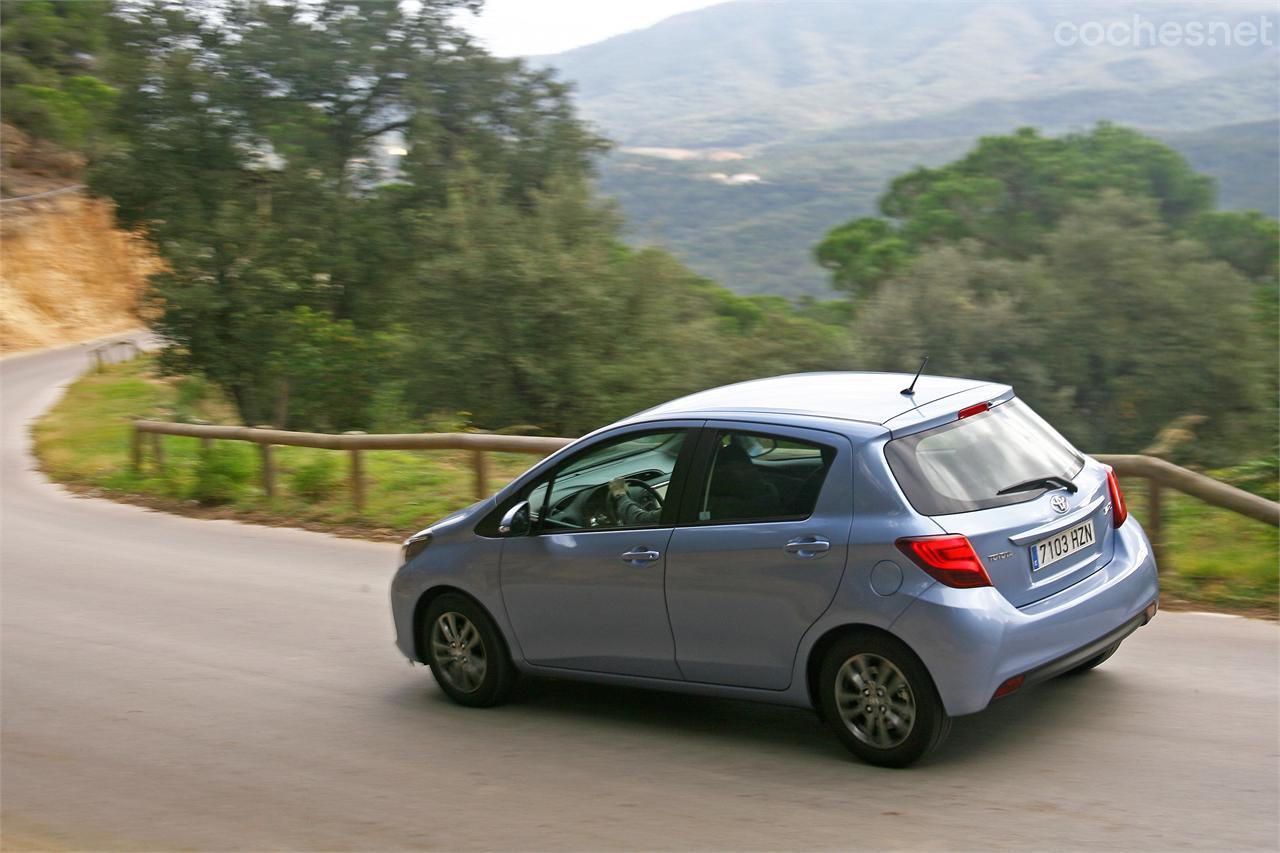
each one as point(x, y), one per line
point(641, 555)
point(810, 546)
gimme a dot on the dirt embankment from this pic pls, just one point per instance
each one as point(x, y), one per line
point(67, 274)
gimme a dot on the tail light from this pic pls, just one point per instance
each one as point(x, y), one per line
point(948, 559)
point(1119, 512)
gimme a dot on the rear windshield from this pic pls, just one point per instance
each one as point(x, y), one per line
point(961, 466)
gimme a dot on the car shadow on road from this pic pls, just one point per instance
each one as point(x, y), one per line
point(1025, 721)
point(1018, 722)
point(628, 710)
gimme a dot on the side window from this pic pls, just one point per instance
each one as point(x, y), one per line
point(758, 477)
point(616, 484)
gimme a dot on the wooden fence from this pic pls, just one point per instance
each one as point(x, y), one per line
point(355, 443)
point(1158, 474)
point(113, 353)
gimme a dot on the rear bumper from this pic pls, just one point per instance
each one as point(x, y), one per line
point(1088, 651)
point(973, 640)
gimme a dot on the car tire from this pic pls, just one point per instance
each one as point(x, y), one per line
point(891, 680)
point(1093, 661)
point(467, 655)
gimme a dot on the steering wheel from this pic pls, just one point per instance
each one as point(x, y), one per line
point(648, 499)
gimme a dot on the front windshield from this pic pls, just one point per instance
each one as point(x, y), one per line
point(962, 466)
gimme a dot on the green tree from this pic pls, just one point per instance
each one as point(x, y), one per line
point(1121, 326)
point(540, 315)
point(515, 299)
point(260, 155)
point(1148, 326)
point(1249, 241)
point(51, 37)
point(862, 253)
point(330, 371)
point(49, 56)
point(971, 315)
point(1008, 194)
point(366, 219)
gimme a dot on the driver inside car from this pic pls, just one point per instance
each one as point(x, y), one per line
point(626, 510)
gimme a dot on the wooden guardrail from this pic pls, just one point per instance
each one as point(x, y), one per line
point(1157, 473)
point(479, 444)
point(113, 352)
point(1160, 475)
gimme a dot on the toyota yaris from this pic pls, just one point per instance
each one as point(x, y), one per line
point(890, 556)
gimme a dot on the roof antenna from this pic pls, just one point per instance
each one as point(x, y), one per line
point(910, 390)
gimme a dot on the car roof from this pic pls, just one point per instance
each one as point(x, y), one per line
point(874, 398)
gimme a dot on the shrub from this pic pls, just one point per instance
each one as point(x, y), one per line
point(314, 480)
point(192, 392)
point(389, 410)
point(1260, 476)
point(222, 474)
point(68, 115)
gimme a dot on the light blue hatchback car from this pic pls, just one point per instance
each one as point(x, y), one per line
point(892, 552)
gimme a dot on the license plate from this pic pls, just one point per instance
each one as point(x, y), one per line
point(1059, 546)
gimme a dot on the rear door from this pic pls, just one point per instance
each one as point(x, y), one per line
point(759, 552)
point(1037, 512)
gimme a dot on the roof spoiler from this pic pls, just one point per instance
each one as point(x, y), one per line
point(946, 409)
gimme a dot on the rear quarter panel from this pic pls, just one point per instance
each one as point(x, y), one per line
point(879, 582)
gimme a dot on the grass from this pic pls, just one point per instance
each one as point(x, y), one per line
point(84, 441)
point(1214, 558)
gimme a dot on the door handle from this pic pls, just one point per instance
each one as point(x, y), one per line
point(812, 546)
point(641, 555)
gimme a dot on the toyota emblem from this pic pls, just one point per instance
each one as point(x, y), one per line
point(1059, 503)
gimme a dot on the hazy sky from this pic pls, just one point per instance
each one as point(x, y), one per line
point(531, 27)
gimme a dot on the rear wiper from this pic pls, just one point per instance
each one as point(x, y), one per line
point(1046, 482)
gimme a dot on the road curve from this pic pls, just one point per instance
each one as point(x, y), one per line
point(177, 683)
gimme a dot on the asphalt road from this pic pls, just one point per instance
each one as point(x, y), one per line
point(177, 683)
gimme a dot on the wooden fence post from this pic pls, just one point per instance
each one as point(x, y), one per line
point(480, 464)
point(1155, 527)
point(357, 474)
point(268, 466)
point(206, 444)
point(157, 451)
point(136, 454)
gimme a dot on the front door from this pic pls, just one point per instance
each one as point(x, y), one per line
point(760, 551)
point(584, 590)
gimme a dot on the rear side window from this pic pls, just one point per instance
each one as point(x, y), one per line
point(758, 477)
point(964, 465)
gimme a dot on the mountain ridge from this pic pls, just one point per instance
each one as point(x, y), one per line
point(747, 129)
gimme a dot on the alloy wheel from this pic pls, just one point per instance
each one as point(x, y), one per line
point(875, 700)
point(458, 651)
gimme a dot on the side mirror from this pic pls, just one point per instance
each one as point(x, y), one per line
point(515, 522)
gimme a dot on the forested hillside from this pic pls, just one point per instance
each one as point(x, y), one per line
point(1243, 159)
point(749, 127)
